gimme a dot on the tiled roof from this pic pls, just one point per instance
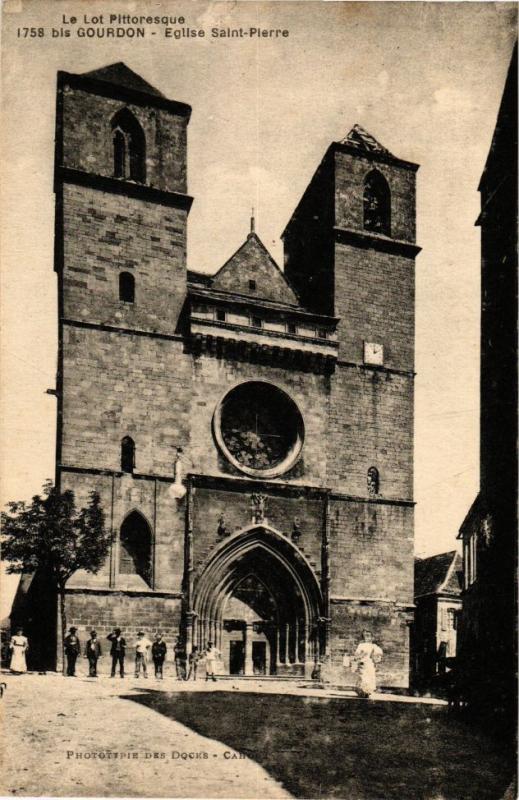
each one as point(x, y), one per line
point(360, 139)
point(437, 574)
point(121, 75)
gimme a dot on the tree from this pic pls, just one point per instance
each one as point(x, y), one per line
point(51, 535)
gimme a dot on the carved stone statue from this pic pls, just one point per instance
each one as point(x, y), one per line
point(222, 527)
point(373, 482)
point(296, 530)
point(258, 504)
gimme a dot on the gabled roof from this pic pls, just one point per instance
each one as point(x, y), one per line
point(121, 75)
point(360, 139)
point(253, 262)
point(438, 574)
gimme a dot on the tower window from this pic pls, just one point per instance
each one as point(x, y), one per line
point(252, 285)
point(291, 327)
point(126, 287)
point(135, 547)
point(127, 454)
point(373, 482)
point(377, 204)
point(256, 322)
point(220, 315)
point(129, 147)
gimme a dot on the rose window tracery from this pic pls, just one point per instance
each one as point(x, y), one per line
point(259, 428)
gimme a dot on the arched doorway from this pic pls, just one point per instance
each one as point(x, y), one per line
point(259, 601)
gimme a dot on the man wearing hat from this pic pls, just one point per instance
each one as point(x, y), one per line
point(92, 652)
point(117, 651)
point(72, 650)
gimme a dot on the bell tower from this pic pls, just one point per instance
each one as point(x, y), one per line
point(120, 257)
point(121, 202)
point(350, 252)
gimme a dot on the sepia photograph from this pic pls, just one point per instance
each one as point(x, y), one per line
point(259, 400)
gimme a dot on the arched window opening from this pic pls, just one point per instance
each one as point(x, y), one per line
point(373, 482)
point(127, 454)
point(126, 287)
point(135, 547)
point(119, 154)
point(129, 147)
point(377, 204)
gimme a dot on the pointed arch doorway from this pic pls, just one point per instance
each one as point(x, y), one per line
point(259, 601)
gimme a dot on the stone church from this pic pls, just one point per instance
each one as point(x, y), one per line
point(250, 433)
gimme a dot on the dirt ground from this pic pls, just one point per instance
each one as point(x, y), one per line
point(60, 732)
point(238, 739)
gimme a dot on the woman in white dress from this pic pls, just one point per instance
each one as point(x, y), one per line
point(366, 656)
point(212, 654)
point(18, 646)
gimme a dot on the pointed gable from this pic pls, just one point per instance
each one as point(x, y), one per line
point(121, 75)
point(360, 139)
point(253, 272)
point(437, 574)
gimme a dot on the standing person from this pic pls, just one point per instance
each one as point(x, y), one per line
point(180, 659)
point(18, 646)
point(72, 650)
point(366, 656)
point(211, 657)
point(194, 658)
point(117, 651)
point(158, 653)
point(92, 652)
point(142, 645)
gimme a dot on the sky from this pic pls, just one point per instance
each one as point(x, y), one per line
point(424, 78)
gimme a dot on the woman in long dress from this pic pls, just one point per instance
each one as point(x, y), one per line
point(212, 654)
point(19, 645)
point(366, 656)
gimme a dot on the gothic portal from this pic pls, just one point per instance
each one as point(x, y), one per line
point(250, 432)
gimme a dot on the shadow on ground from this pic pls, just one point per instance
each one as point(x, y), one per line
point(353, 749)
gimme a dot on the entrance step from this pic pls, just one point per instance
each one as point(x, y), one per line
point(274, 678)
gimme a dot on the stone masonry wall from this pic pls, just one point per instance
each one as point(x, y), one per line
point(371, 424)
point(120, 384)
point(371, 551)
point(105, 234)
point(374, 297)
point(103, 612)
point(88, 145)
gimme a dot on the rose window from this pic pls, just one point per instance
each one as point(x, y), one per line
point(259, 429)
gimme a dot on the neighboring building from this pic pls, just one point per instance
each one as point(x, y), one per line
point(437, 596)
point(286, 398)
point(488, 632)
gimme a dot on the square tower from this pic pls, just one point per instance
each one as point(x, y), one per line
point(120, 258)
point(350, 251)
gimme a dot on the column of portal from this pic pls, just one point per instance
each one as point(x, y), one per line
point(287, 636)
point(249, 666)
point(296, 646)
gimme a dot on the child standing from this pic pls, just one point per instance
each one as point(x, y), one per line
point(142, 646)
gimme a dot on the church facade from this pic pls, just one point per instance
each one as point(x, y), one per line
point(250, 433)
